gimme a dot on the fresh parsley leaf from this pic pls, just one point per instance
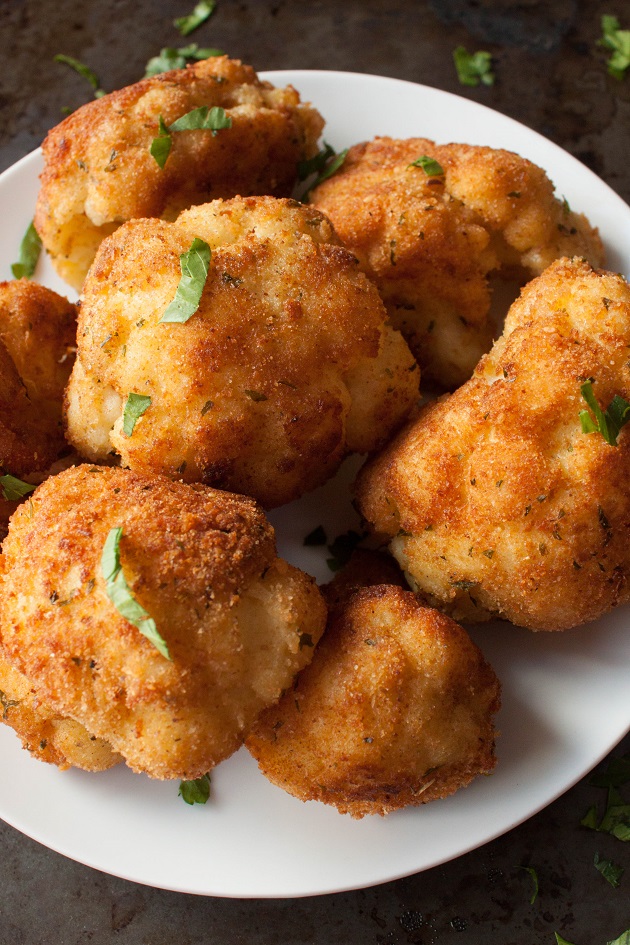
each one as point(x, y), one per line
point(170, 58)
point(341, 549)
point(194, 265)
point(30, 248)
point(84, 71)
point(316, 537)
point(609, 870)
point(135, 406)
point(255, 395)
point(161, 145)
point(429, 165)
point(195, 792)
point(560, 940)
point(616, 774)
point(14, 489)
point(534, 875)
point(120, 594)
point(473, 68)
point(199, 119)
point(315, 164)
point(187, 24)
point(624, 939)
point(617, 41)
point(609, 422)
point(325, 164)
point(7, 704)
point(590, 819)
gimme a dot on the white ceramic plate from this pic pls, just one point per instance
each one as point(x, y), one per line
point(566, 696)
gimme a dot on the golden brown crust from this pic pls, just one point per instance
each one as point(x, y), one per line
point(46, 734)
point(202, 563)
point(430, 242)
point(494, 500)
point(99, 170)
point(394, 710)
point(286, 366)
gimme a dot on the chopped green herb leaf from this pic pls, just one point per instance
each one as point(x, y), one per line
point(209, 404)
point(473, 68)
point(429, 165)
point(135, 406)
point(326, 162)
point(609, 870)
point(560, 940)
point(306, 640)
point(255, 395)
point(617, 41)
point(616, 774)
point(161, 145)
point(203, 119)
point(187, 24)
point(341, 548)
point(195, 792)
point(170, 58)
point(120, 594)
point(590, 819)
point(194, 266)
point(84, 71)
point(316, 537)
point(315, 164)
point(609, 422)
point(14, 489)
point(30, 248)
point(624, 939)
point(534, 875)
point(7, 704)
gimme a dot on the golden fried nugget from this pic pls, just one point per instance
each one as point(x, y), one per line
point(395, 709)
point(99, 170)
point(494, 501)
point(287, 365)
point(431, 239)
point(46, 734)
point(238, 621)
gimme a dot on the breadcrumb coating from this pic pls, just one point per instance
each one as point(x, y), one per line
point(431, 240)
point(238, 622)
point(395, 709)
point(99, 170)
point(287, 365)
point(494, 500)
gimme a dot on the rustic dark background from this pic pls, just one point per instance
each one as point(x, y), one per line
point(550, 74)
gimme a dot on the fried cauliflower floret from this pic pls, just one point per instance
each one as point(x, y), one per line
point(494, 501)
point(238, 621)
point(37, 341)
point(431, 240)
point(99, 170)
point(286, 366)
point(44, 732)
point(395, 709)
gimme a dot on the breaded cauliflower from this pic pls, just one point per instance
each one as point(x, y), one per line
point(395, 709)
point(431, 238)
point(99, 170)
point(494, 500)
point(46, 734)
point(286, 366)
point(237, 622)
point(37, 344)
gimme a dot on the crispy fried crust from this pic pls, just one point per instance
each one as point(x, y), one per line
point(45, 733)
point(394, 710)
point(99, 170)
point(286, 366)
point(203, 564)
point(430, 242)
point(37, 343)
point(494, 500)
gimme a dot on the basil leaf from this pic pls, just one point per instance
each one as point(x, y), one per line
point(473, 68)
point(14, 489)
point(618, 42)
point(204, 118)
point(611, 872)
point(135, 406)
point(170, 58)
point(194, 265)
point(610, 422)
point(195, 792)
point(187, 24)
point(161, 145)
point(120, 594)
point(429, 165)
point(84, 71)
point(30, 248)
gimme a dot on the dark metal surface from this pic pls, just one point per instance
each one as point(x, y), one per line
point(551, 75)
